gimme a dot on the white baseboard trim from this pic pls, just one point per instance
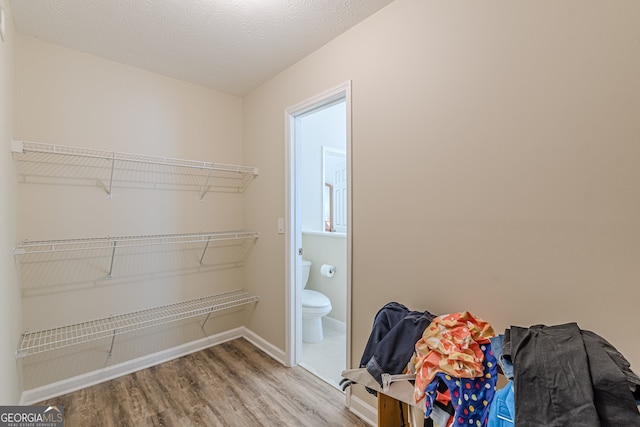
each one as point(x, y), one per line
point(78, 382)
point(363, 410)
point(264, 345)
point(334, 324)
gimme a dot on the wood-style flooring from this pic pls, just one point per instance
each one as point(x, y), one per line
point(232, 384)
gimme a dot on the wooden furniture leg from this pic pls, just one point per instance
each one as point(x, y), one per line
point(389, 411)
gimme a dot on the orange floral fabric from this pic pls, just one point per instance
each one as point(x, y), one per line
point(451, 344)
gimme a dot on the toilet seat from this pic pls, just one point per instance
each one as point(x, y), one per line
point(315, 304)
point(314, 299)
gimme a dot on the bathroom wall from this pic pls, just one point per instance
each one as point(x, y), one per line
point(325, 127)
point(10, 307)
point(328, 248)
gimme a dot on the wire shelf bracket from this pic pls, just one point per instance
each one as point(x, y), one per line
point(56, 338)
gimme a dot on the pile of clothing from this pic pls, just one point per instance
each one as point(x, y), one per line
point(564, 376)
point(555, 375)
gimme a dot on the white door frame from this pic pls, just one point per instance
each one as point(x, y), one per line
point(294, 227)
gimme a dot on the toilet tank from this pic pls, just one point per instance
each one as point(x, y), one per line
point(306, 268)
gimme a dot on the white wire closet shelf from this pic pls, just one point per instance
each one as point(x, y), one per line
point(52, 339)
point(94, 243)
point(37, 160)
point(110, 246)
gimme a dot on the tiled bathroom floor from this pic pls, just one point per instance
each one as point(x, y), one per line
point(327, 359)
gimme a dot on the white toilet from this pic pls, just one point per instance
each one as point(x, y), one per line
point(315, 305)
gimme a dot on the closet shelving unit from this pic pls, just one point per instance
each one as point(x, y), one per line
point(113, 244)
point(113, 167)
point(52, 339)
point(110, 169)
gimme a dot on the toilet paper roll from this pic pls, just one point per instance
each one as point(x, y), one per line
point(327, 270)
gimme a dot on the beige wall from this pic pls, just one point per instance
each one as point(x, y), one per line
point(501, 138)
point(10, 314)
point(70, 98)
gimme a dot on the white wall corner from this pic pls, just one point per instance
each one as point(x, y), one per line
point(273, 351)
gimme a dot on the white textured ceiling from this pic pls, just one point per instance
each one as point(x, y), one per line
point(228, 45)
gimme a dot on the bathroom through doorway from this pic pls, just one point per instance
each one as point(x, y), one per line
point(319, 242)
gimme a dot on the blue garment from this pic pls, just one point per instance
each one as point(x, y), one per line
point(498, 349)
point(471, 397)
point(503, 408)
point(393, 338)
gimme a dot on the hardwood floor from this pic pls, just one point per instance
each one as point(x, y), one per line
point(232, 384)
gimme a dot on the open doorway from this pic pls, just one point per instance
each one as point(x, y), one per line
point(319, 243)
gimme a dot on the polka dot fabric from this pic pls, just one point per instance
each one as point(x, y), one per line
point(470, 397)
